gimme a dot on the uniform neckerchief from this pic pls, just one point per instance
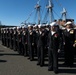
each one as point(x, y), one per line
point(53, 32)
point(68, 29)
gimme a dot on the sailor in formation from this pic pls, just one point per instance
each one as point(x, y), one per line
point(69, 40)
point(41, 41)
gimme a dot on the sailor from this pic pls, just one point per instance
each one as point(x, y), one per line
point(69, 35)
point(2, 36)
point(7, 37)
point(30, 42)
point(53, 46)
point(35, 37)
point(15, 38)
point(11, 38)
point(19, 40)
point(25, 40)
point(41, 45)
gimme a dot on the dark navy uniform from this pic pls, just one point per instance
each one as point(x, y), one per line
point(31, 44)
point(15, 40)
point(54, 40)
point(25, 42)
point(42, 46)
point(2, 36)
point(69, 40)
point(7, 37)
point(19, 42)
point(11, 38)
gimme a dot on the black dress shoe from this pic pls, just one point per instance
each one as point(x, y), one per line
point(56, 72)
point(41, 65)
point(50, 69)
point(28, 58)
point(38, 63)
point(31, 59)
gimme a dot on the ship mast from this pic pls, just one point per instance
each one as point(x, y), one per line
point(37, 7)
point(50, 8)
point(64, 12)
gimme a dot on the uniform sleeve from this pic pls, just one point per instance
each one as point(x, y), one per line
point(75, 36)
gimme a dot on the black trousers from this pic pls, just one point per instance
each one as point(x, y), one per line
point(31, 52)
point(2, 41)
point(53, 59)
point(69, 54)
point(40, 54)
point(11, 43)
point(15, 45)
point(7, 41)
point(25, 49)
point(20, 46)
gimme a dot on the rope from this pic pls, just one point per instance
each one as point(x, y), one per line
point(59, 3)
point(56, 14)
point(46, 15)
point(35, 16)
point(29, 16)
point(43, 9)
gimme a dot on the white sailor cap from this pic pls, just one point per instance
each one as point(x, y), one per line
point(18, 27)
point(10, 28)
point(25, 26)
point(29, 25)
point(14, 27)
point(69, 22)
point(7, 28)
point(39, 25)
point(47, 24)
point(22, 26)
point(43, 25)
point(35, 25)
point(53, 24)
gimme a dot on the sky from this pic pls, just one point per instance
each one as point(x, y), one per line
point(14, 12)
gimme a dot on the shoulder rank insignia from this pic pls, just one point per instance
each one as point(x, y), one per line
point(72, 31)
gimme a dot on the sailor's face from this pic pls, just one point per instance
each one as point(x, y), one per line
point(68, 26)
point(53, 27)
point(23, 29)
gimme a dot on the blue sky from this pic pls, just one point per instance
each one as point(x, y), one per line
point(13, 12)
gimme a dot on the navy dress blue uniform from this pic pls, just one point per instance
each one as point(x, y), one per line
point(69, 40)
point(19, 42)
point(31, 44)
point(25, 42)
point(2, 36)
point(53, 43)
point(7, 38)
point(42, 43)
point(11, 38)
point(15, 40)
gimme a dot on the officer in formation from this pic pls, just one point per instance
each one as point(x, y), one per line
point(42, 40)
point(69, 40)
